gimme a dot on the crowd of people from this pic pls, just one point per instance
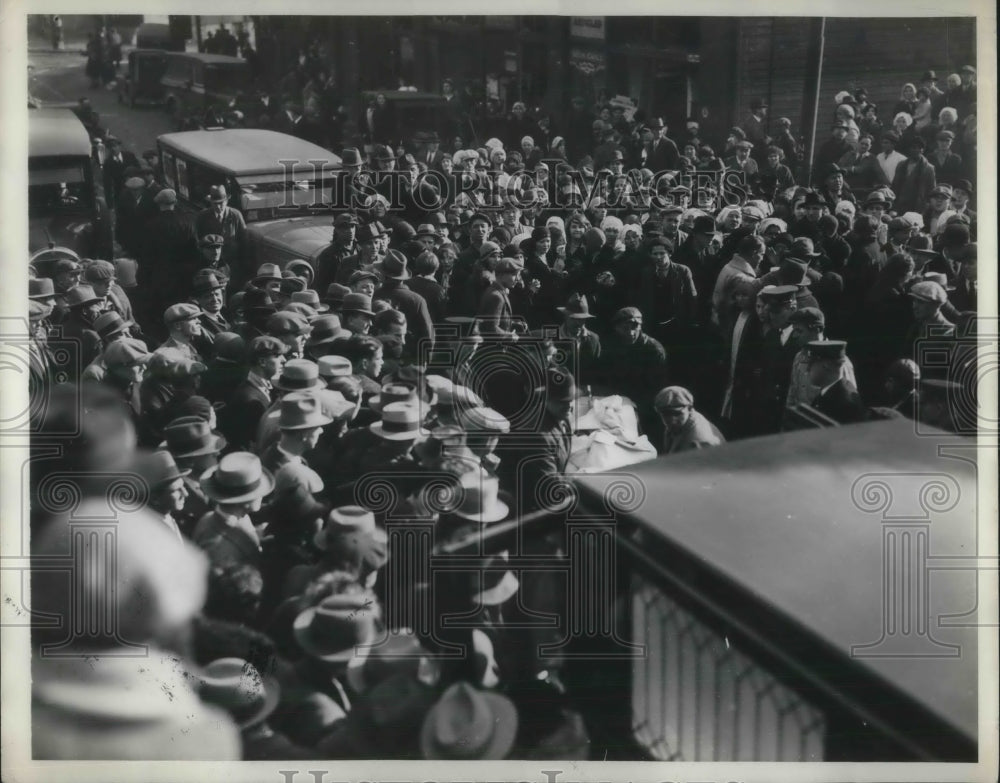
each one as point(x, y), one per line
point(442, 343)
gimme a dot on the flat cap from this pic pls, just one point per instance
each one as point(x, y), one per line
point(98, 271)
point(928, 291)
point(166, 196)
point(811, 317)
point(181, 312)
point(125, 353)
point(673, 397)
point(264, 345)
point(286, 322)
point(508, 265)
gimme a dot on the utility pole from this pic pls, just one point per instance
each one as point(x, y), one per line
point(814, 77)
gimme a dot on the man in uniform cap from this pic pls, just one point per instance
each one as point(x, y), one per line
point(838, 398)
point(684, 427)
point(222, 220)
point(808, 324)
point(183, 323)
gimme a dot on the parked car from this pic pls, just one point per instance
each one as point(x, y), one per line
point(66, 204)
point(195, 82)
point(153, 35)
point(142, 80)
point(283, 196)
point(408, 112)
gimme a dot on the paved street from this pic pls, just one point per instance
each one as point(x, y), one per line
point(59, 77)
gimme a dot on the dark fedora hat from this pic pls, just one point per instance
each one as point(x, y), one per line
point(357, 303)
point(576, 307)
point(110, 323)
point(393, 266)
point(41, 288)
point(351, 157)
point(190, 436)
point(333, 629)
point(370, 231)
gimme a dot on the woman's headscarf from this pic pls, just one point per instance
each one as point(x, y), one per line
point(556, 142)
point(612, 222)
point(556, 221)
point(766, 223)
point(906, 118)
point(902, 93)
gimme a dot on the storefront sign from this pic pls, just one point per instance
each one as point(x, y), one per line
point(587, 27)
point(586, 61)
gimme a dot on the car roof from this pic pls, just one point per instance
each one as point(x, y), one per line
point(404, 95)
point(241, 151)
point(54, 132)
point(213, 59)
point(780, 516)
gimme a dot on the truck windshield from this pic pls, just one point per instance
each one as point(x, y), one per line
point(59, 185)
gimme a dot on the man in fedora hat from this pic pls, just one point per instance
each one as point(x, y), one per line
point(369, 240)
point(467, 723)
point(335, 634)
point(236, 486)
point(301, 423)
point(167, 492)
point(394, 290)
point(754, 127)
point(356, 313)
point(838, 398)
point(208, 289)
point(343, 245)
point(110, 328)
point(325, 331)
point(171, 378)
point(250, 698)
point(220, 219)
point(250, 399)
point(833, 149)
point(195, 448)
point(84, 308)
point(586, 344)
point(113, 705)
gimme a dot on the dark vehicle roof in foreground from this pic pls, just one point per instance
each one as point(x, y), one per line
point(783, 521)
point(242, 151)
point(397, 96)
point(55, 132)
